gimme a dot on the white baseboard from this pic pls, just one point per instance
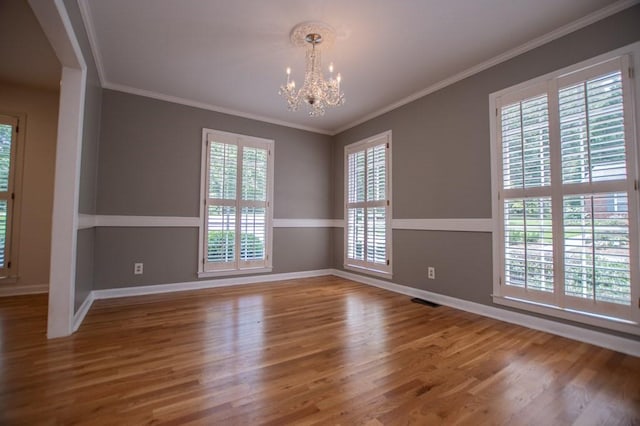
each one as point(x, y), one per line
point(19, 290)
point(198, 285)
point(597, 338)
point(82, 312)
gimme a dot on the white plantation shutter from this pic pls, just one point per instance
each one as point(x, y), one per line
point(367, 212)
point(8, 133)
point(237, 228)
point(568, 205)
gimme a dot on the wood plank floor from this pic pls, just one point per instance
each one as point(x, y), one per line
point(313, 351)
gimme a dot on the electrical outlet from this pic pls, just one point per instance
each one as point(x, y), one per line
point(431, 273)
point(138, 268)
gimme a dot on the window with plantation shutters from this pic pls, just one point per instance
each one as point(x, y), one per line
point(368, 204)
point(237, 188)
point(8, 137)
point(566, 199)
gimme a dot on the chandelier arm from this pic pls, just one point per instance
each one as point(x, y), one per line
point(316, 92)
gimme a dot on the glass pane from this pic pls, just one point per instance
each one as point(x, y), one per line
point(223, 169)
point(596, 247)
point(6, 135)
point(528, 241)
point(592, 130)
point(376, 236)
point(221, 234)
point(355, 234)
point(376, 173)
point(3, 232)
point(525, 144)
point(254, 174)
point(252, 233)
point(355, 185)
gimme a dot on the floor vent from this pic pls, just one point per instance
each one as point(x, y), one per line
point(424, 302)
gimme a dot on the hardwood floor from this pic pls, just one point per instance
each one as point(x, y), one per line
point(312, 351)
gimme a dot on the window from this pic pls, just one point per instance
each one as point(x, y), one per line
point(566, 203)
point(367, 233)
point(8, 137)
point(237, 203)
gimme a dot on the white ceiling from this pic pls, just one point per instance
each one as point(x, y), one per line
point(231, 55)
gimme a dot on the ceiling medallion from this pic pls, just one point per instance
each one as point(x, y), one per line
point(316, 92)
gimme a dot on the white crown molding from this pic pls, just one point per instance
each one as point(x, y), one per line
point(210, 107)
point(85, 12)
point(471, 225)
point(503, 57)
point(21, 289)
point(308, 223)
point(597, 338)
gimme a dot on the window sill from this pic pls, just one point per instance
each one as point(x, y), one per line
point(251, 271)
point(369, 271)
point(610, 323)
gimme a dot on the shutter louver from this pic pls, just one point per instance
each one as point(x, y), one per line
point(570, 242)
point(525, 144)
point(254, 204)
point(528, 241)
point(596, 247)
point(237, 229)
point(8, 129)
point(592, 130)
point(367, 209)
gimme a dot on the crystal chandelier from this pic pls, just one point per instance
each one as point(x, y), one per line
point(316, 92)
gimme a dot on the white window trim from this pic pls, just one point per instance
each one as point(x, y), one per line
point(202, 271)
point(14, 222)
point(632, 326)
point(367, 267)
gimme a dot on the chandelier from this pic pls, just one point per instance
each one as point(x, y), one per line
point(316, 92)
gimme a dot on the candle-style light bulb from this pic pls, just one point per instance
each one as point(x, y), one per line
point(339, 78)
point(331, 67)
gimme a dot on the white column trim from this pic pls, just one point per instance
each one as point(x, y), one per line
point(57, 26)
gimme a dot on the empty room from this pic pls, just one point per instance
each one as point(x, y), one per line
point(319, 212)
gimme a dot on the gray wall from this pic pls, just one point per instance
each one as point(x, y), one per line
point(149, 165)
point(442, 142)
point(89, 165)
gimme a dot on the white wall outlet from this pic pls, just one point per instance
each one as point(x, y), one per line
point(431, 273)
point(138, 268)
